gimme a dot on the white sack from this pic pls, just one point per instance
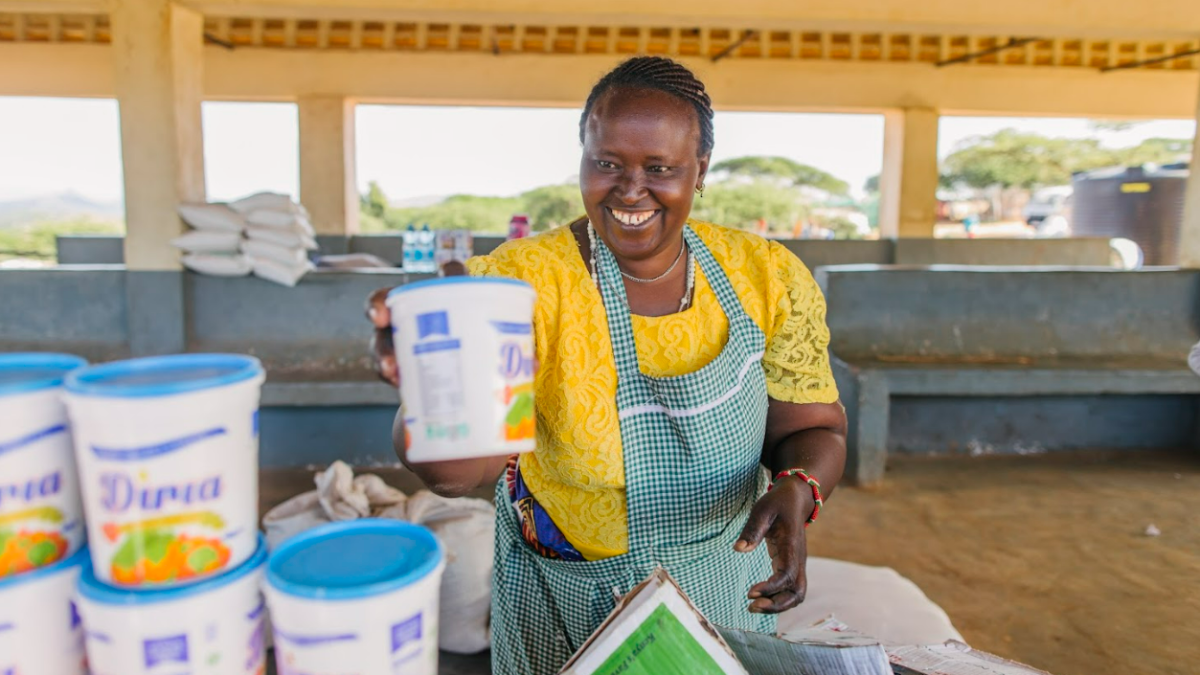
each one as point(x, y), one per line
point(265, 200)
point(265, 250)
point(208, 241)
point(876, 601)
point(282, 237)
point(217, 264)
point(280, 273)
point(465, 527)
point(217, 217)
point(279, 220)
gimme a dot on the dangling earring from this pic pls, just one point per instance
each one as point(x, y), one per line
point(701, 190)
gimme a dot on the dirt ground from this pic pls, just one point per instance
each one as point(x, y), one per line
point(1040, 559)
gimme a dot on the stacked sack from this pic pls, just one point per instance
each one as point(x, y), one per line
point(266, 233)
point(278, 237)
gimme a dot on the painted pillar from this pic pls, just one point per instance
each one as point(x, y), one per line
point(1189, 244)
point(909, 182)
point(327, 161)
point(157, 50)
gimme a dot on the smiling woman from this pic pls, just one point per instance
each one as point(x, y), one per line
point(677, 360)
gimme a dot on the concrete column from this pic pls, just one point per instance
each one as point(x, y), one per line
point(157, 56)
point(327, 157)
point(908, 184)
point(1189, 245)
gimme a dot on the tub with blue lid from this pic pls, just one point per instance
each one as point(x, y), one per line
point(464, 346)
point(213, 627)
point(167, 450)
point(40, 628)
point(41, 515)
point(356, 597)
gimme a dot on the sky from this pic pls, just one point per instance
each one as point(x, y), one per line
point(50, 146)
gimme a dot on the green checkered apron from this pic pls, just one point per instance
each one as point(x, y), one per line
point(691, 447)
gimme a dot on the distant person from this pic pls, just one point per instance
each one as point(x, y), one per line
point(969, 224)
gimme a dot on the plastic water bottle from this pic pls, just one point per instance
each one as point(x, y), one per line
point(426, 247)
point(409, 249)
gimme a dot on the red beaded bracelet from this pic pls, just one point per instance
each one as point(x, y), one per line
point(812, 482)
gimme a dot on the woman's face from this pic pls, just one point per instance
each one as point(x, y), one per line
point(640, 170)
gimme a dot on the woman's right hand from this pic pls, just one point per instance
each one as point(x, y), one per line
point(452, 478)
point(382, 349)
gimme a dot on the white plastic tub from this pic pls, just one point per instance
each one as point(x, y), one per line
point(214, 627)
point(40, 630)
point(356, 597)
point(41, 517)
point(465, 350)
point(167, 450)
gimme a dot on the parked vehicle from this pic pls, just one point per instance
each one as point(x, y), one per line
point(1047, 202)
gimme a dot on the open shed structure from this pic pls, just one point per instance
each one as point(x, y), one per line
point(910, 60)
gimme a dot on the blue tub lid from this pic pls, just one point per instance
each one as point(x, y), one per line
point(456, 280)
point(78, 558)
point(162, 375)
point(99, 592)
point(24, 372)
point(356, 559)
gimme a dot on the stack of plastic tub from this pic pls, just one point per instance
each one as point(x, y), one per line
point(167, 452)
point(357, 597)
point(41, 520)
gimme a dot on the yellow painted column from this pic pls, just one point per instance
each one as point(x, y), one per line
point(157, 50)
point(1189, 245)
point(327, 159)
point(909, 182)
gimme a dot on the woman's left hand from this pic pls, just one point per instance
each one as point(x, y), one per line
point(779, 517)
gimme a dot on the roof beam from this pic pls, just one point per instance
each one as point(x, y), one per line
point(1102, 18)
point(54, 6)
point(479, 78)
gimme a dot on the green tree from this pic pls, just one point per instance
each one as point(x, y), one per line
point(1112, 125)
point(1010, 158)
point(783, 169)
point(1156, 151)
point(375, 202)
point(38, 241)
point(458, 212)
point(552, 205)
point(742, 204)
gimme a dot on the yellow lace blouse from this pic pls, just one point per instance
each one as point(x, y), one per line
point(577, 473)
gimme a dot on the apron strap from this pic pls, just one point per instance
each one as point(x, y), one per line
point(631, 387)
point(717, 279)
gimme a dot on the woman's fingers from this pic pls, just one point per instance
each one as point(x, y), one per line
point(786, 587)
point(780, 602)
point(384, 354)
point(762, 516)
point(377, 309)
point(784, 533)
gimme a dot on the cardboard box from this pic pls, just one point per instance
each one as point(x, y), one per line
point(655, 630)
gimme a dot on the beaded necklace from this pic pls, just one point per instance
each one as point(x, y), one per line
point(691, 269)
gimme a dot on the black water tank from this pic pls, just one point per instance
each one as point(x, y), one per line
point(1144, 204)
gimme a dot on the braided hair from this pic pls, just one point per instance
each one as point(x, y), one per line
point(662, 74)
